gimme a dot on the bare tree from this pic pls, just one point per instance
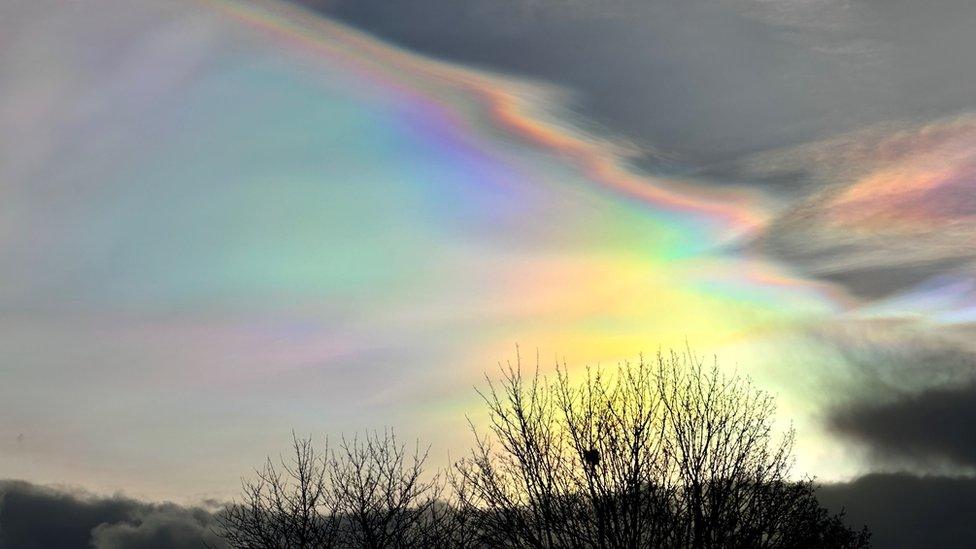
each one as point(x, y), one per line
point(367, 493)
point(661, 454)
point(667, 454)
point(386, 500)
point(286, 506)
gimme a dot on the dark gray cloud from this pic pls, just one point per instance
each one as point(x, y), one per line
point(907, 511)
point(876, 282)
point(676, 74)
point(710, 81)
point(908, 395)
point(37, 517)
point(933, 425)
point(901, 511)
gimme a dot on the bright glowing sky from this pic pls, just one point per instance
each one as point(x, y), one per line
point(223, 220)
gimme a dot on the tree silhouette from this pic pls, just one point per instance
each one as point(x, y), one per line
point(384, 498)
point(288, 506)
point(369, 493)
point(663, 454)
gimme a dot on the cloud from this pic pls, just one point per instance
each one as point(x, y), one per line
point(901, 511)
point(933, 425)
point(814, 102)
point(888, 207)
point(907, 393)
point(891, 356)
point(158, 527)
point(708, 81)
point(907, 511)
point(698, 78)
point(39, 517)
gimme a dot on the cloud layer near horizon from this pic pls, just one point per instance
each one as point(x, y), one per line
point(40, 517)
point(901, 510)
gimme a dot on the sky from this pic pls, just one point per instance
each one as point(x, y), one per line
point(221, 220)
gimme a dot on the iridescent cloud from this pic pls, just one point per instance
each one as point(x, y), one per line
point(223, 220)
